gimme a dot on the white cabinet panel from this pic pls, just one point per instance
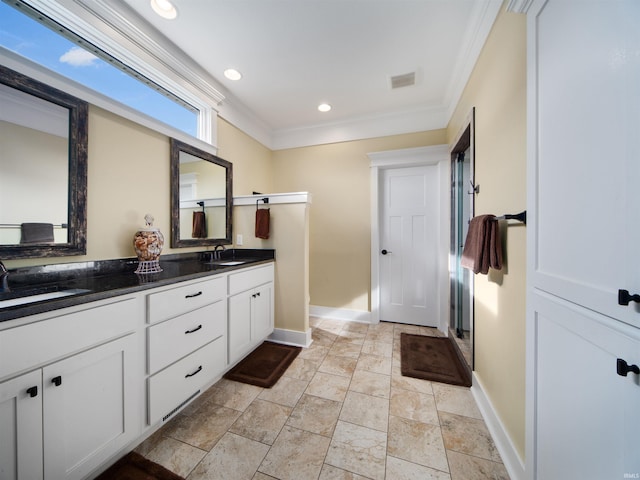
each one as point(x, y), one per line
point(587, 420)
point(587, 166)
point(21, 428)
point(180, 382)
point(87, 410)
point(176, 338)
point(240, 339)
point(184, 298)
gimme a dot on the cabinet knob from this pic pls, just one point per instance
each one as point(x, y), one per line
point(622, 368)
point(194, 330)
point(192, 374)
point(624, 297)
point(385, 251)
point(57, 381)
point(32, 391)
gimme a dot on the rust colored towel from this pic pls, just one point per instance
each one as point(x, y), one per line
point(482, 248)
point(199, 225)
point(262, 223)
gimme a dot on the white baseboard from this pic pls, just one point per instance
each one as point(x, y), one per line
point(291, 337)
point(340, 314)
point(512, 461)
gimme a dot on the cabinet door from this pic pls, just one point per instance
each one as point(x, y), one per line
point(239, 325)
point(87, 408)
point(21, 427)
point(587, 414)
point(262, 313)
point(584, 72)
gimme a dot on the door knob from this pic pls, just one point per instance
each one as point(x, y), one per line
point(624, 297)
point(622, 368)
point(384, 252)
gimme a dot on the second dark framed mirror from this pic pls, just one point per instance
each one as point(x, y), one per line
point(201, 197)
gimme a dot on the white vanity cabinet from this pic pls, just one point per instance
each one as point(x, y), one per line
point(73, 406)
point(250, 310)
point(187, 343)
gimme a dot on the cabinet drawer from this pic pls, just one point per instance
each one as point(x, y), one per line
point(175, 385)
point(241, 281)
point(175, 338)
point(181, 299)
point(38, 343)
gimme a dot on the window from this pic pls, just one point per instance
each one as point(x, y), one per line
point(102, 73)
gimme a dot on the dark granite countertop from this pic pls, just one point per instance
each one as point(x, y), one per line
point(109, 278)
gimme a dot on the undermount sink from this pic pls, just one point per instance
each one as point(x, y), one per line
point(229, 262)
point(32, 296)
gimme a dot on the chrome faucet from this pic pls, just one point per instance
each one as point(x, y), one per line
point(217, 253)
point(4, 275)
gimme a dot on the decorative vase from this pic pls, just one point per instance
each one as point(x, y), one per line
point(148, 243)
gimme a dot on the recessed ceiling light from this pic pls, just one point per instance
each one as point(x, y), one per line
point(324, 107)
point(232, 74)
point(164, 8)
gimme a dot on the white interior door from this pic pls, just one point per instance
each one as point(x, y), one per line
point(410, 224)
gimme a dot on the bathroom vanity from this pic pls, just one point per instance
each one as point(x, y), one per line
point(85, 377)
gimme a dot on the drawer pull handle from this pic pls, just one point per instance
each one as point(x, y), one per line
point(192, 374)
point(194, 330)
point(193, 295)
point(622, 368)
point(57, 381)
point(32, 391)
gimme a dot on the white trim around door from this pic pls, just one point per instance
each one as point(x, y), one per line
point(411, 157)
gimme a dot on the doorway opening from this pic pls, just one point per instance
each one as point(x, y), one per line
point(463, 190)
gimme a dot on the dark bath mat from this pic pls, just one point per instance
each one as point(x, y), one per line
point(265, 365)
point(134, 466)
point(432, 358)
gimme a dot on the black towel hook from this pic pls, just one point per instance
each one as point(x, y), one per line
point(264, 200)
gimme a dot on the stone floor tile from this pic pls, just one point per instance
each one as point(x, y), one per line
point(346, 349)
point(176, 456)
point(374, 363)
point(468, 435)
point(343, 366)
point(398, 469)
point(233, 457)
point(467, 467)
point(205, 428)
point(287, 391)
point(454, 399)
point(366, 411)
point(329, 472)
point(315, 415)
point(296, 454)
point(409, 383)
point(414, 406)
point(377, 348)
point(370, 383)
point(417, 442)
point(261, 421)
point(234, 395)
point(359, 450)
point(302, 369)
point(325, 385)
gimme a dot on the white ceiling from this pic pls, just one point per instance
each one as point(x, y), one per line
point(296, 54)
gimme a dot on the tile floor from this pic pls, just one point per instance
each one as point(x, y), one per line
point(341, 411)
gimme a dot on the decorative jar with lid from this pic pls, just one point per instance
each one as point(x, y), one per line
point(148, 243)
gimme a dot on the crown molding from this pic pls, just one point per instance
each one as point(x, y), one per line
point(519, 6)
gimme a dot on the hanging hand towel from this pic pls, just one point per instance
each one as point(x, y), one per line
point(482, 248)
point(262, 223)
point(199, 225)
point(36, 233)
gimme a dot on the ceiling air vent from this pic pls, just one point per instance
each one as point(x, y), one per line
point(405, 80)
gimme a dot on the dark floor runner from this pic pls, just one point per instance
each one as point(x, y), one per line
point(265, 365)
point(432, 358)
point(134, 466)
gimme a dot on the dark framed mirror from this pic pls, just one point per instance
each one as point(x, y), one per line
point(43, 169)
point(201, 197)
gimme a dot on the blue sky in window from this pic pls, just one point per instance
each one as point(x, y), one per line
point(38, 43)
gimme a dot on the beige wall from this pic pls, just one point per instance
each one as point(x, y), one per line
point(497, 89)
point(252, 161)
point(337, 176)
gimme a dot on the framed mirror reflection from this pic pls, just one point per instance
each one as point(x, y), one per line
point(201, 197)
point(43, 169)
